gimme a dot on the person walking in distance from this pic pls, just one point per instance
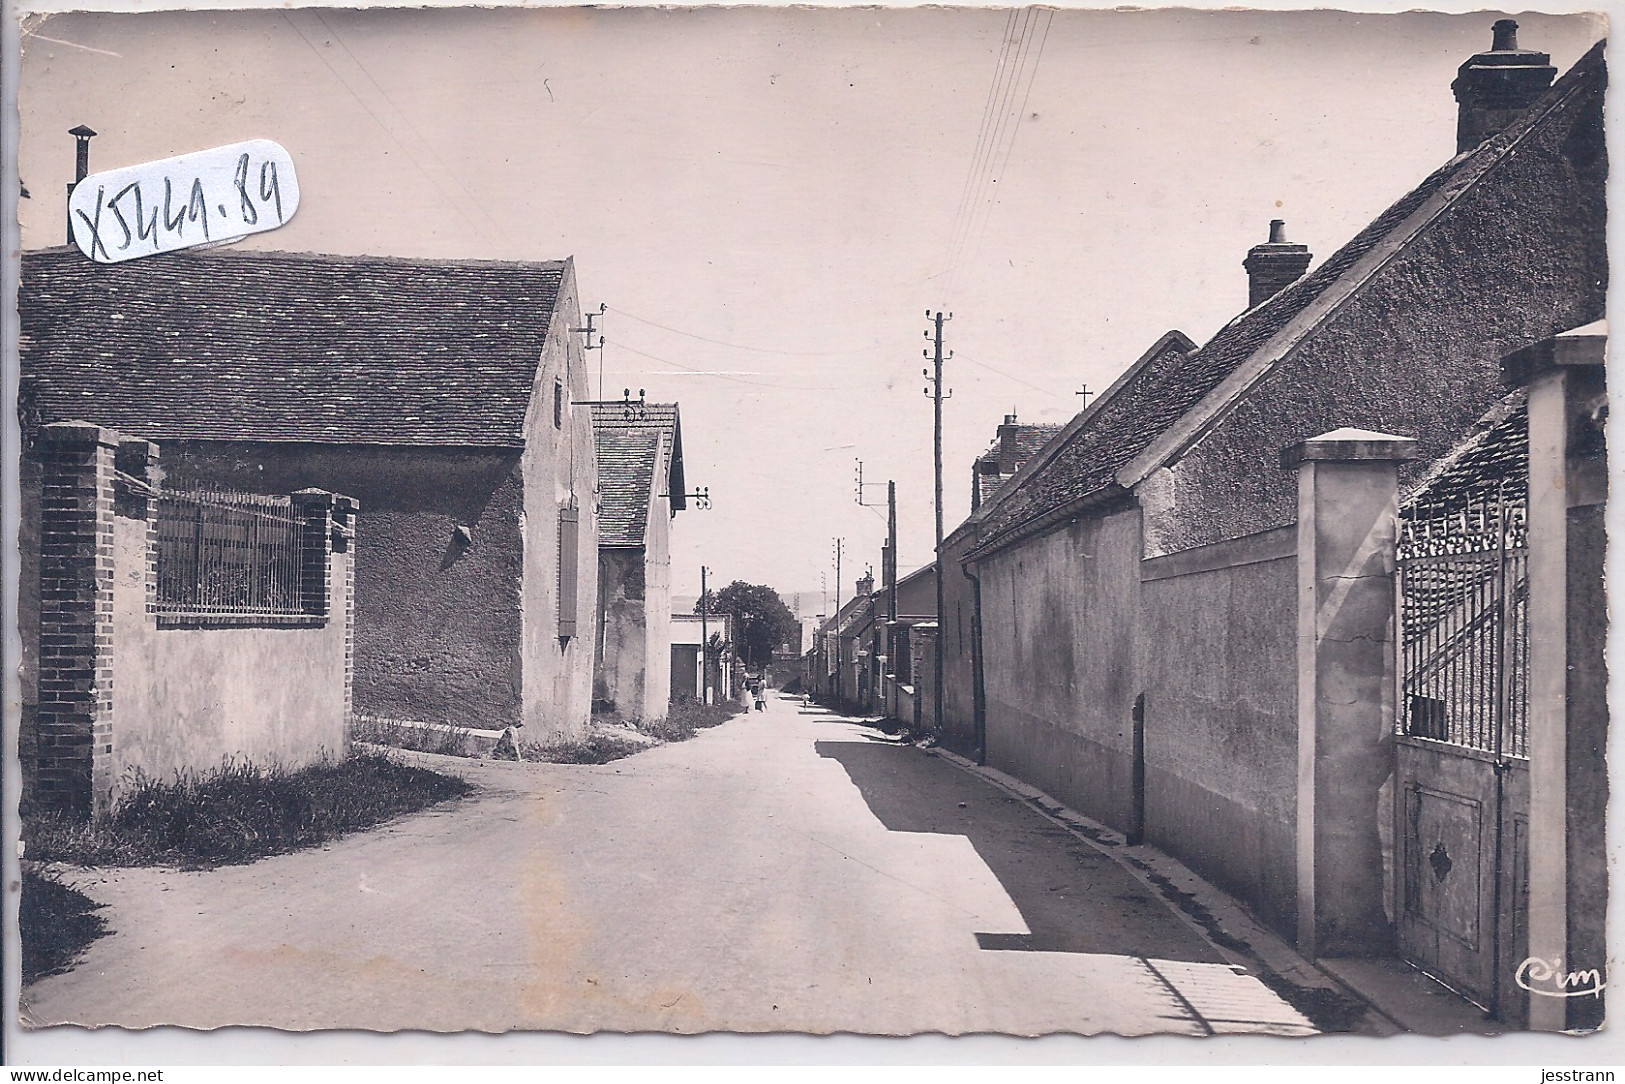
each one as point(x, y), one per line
point(758, 689)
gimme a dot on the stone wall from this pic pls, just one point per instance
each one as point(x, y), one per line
point(1060, 615)
point(1220, 716)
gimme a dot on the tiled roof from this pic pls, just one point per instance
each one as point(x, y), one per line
point(662, 419)
point(1126, 423)
point(1120, 426)
point(626, 472)
point(1494, 452)
point(276, 346)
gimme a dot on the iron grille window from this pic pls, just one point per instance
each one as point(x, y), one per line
point(228, 553)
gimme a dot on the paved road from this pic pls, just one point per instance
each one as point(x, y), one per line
point(791, 870)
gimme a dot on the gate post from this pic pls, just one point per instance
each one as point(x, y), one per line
point(73, 739)
point(1568, 709)
point(1348, 496)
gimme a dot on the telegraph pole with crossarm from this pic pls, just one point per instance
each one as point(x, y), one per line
point(934, 390)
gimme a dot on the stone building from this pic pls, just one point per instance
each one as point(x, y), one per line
point(640, 490)
point(438, 394)
point(1178, 616)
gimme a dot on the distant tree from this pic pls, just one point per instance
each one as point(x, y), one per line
point(762, 622)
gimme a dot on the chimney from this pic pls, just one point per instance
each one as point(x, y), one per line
point(866, 584)
point(1274, 265)
point(1007, 443)
point(82, 135)
point(1494, 89)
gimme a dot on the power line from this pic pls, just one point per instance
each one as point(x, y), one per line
point(1007, 376)
point(407, 120)
point(377, 119)
point(994, 107)
point(1015, 131)
point(739, 346)
point(981, 134)
point(999, 122)
point(691, 371)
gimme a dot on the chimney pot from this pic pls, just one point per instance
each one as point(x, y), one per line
point(1505, 33)
point(1277, 231)
point(1009, 419)
point(82, 134)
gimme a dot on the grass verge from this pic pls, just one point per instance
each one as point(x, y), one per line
point(683, 720)
point(56, 923)
point(239, 812)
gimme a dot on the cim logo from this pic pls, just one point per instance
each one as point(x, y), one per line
point(1547, 978)
point(203, 198)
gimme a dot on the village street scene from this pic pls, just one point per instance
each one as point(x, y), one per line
point(948, 521)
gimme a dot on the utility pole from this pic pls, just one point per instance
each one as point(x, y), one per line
point(587, 344)
point(835, 621)
point(705, 645)
point(889, 568)
point(888, 571)
point(934, 390)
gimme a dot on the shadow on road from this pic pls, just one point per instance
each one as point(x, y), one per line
point(1072, 897)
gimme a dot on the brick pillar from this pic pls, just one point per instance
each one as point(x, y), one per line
point(343, 536)
point(1568, 628)
point(314, 509)
point(73, 742)
point(1348, 490)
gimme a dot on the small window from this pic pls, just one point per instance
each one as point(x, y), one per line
point(558, 404)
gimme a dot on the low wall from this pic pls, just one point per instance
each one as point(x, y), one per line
point(187, 698)
point(1220, 715)
point(126, 684)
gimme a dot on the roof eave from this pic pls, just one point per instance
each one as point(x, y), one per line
point(1106, 495)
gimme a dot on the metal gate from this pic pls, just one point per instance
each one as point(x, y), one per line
point(1462, 742)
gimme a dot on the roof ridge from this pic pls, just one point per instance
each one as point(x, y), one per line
point(331, 258)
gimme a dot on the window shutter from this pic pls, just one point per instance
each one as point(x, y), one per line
point(569, 549)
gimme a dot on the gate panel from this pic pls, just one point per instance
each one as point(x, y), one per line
point(1461, 748)
point(1448, 860)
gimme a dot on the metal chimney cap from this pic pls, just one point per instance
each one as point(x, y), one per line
point(83, 131)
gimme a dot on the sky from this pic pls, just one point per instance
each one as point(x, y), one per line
point(770, 200)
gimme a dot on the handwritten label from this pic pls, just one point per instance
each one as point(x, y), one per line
point(1547, 978)
point(202, 198)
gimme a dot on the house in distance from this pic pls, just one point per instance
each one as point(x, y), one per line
point(640, 489)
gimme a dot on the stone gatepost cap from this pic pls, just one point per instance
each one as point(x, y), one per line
point(319, 498)
point(78, 432)
point(1579, 348)
point(137, 447)
point(1349, 446)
